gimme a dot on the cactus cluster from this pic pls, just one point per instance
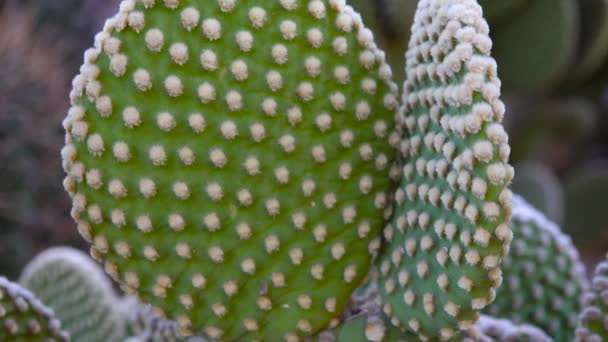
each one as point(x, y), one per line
point(593, 320)
point(441, 261)
point(24, 318)
point(544, 278)
point(70, 283)
point(231, 162)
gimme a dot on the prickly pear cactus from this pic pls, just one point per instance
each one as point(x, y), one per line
point(544, 277)
point(362, 329)
point(495, 329)
point(24, 318)
point(229, 161)
point(592, 325)
point(79, 293)
point(440, 263)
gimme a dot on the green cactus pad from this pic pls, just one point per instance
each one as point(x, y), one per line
point(23, 318)
point(440, 263)
point(499, 12)
point(362, 329)
point(78, 291)
point(540, 187)
point(230, 160)
point(548, 32)
point(594, 42)
point(544, 277)
point(586, 206)
point(592, 326)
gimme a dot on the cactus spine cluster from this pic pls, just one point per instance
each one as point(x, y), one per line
point(81, 296)
point(23, 318)
point(593, 320)
point(231, 162)
point(544, 278)
point(441, 261)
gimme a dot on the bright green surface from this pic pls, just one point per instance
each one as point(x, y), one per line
point(340, 274)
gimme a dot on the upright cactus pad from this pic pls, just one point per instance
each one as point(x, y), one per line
point(79, 293)
point(593, 321)
point(544, 277)
point(23, 318)
point(440, 263)
point(230, 160)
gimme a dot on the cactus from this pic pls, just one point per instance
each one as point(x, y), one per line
point(23, 318)
point(585, 206)
point(79, 293)
point(504, 330)
point(540, 187)
point(500, 12)
point(592, 326)
point(547, 30)
point(544, 277)
point(441, 261)
point(593, 49)
point(231, 162)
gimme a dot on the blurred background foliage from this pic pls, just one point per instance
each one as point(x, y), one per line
point(552, 57)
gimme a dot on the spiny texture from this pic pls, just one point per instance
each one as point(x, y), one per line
point(362, 329)
point(149, 327)
point(593, 320)
point(544, 277)
point(24, 318)
point(79, 293)
point(440, 263)
point(230, 161)
point(489, 329)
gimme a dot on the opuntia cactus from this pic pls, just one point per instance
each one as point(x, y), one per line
point(24, 318)
point(593, 323)
point(79, 293)
point(230, 162)
point(440, 263)
point(544, 277)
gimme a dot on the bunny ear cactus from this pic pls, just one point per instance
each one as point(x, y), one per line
point(440, 263)
point(544, 276)
point(593, 322)
point(24, 318)
point(230, 161)
point(495, 329)
point(79, 293)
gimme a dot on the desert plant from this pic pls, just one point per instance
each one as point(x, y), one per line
point(79, 293)
point(231, 162)
point(592, 325)
point(544, 277)
point(24, 318)
point(441, 261)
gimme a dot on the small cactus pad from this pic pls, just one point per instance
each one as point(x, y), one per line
point(78, 291)
point(440, 263)
point(23, 318)
point(547, 30)
point(230, 161)
point(593, 321)
point(544, 278)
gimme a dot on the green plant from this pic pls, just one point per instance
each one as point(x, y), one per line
point(592, 320)
point(441, 261)
point(541, 188)
point(79, 293)
point(230, 162)
point(24, 318)
point(544, 279)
